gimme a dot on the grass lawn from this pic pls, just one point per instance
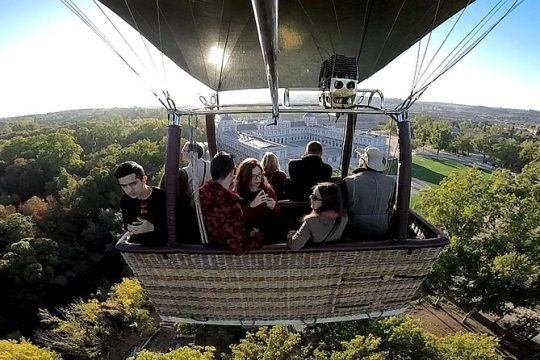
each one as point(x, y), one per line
point(432, 170)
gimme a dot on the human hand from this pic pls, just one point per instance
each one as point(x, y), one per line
point(290, 234)
point(271, 203)
point(140, 226)
point(259, 199)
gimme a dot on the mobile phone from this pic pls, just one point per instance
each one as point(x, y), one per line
point(136, 223)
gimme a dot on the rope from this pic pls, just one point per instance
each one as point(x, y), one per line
point(203, 57)
point(195, 188)
point(158, 12)
point(337, 23)
point(466, 39)
point(315, 40)
point(86, 20)
point(470, 48)
point(442, 44)
point(430, 32)
point(143, 40)
point(364, 26)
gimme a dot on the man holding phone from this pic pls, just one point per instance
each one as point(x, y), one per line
point(143, 207)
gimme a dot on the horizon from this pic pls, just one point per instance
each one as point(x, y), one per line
point(51, 62)
point(161, 107)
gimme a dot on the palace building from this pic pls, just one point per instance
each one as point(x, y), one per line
point(288, 139)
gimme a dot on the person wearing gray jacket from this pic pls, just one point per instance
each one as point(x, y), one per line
point(369, 196)
point(325, 223)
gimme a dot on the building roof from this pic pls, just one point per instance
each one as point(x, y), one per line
point(246, 126)
point(298, 123)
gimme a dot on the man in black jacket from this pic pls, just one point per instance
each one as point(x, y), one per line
point(143, 207)
point(307, 172)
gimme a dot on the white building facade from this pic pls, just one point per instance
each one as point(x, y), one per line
point(253, 139)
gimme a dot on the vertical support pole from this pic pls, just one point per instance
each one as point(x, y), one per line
point(266, 18)
point(211, 134)
point(350, 125)
point(172, 163)
point(404, 174)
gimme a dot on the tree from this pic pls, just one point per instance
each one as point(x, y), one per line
point(506, 152)
point(529, 151)
point(361, 347)
point(493, 223)
point(269, 344)
point(467, 346)
point(25, 350)
point(440, 136)
point(30, 261)
point(13, 228)
point(184, 353)
point(90, 329)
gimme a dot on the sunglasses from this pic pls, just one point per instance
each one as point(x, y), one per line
point(314, 197)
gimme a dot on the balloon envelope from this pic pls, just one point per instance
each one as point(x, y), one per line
point(216, 41)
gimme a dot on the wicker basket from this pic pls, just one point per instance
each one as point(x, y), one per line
point(337, 282)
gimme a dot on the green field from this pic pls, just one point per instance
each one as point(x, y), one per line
point(432, 170)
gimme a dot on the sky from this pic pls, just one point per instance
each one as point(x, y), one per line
point(51, 61)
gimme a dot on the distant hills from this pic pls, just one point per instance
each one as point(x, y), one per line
point(436, 110)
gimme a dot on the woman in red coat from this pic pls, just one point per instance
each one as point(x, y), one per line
point(258, 199)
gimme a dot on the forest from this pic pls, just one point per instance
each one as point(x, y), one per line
point(66, 293)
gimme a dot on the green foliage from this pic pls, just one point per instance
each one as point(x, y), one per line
point(30, 261)
point(493, 257)
point(24, 350)
point(13, 228)
point(128, 302)
point(393, 338)
point(269, 344)
point(89, 329)
point(467, 346)
point(183, 353)
point(360, 348)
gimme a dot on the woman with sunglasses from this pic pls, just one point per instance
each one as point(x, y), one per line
point(258, 199)
point(327, 220)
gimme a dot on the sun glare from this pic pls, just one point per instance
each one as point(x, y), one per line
point(216, 56)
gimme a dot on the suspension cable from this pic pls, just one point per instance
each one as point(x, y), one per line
point(429, 36)
point(88, 22)
point(463, 53)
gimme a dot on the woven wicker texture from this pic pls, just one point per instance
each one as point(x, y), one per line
point(281, 287)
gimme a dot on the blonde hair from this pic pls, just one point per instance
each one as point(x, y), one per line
point(270, 163)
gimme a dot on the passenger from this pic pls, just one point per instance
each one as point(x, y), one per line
point(327, 220)
point(307, 172)
point(258, 199)
point(221, 210)
point(197, 166)
point(273, 174)
point(369, 195)
point(143, 207)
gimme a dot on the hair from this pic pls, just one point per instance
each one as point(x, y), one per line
point(314, 148)
point(330, 198)
point(127, 168)
point(194, 147)
point(221, 165)
point(270, 163)
point(243, 176)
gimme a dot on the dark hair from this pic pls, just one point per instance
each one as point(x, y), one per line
point(330, 198)
point(314, 147)
point(221, 165)
point(243, 176)
point(127, 168)
point(194, 147)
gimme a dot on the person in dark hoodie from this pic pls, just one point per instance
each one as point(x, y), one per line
point(307, 172)
point(221, 209)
